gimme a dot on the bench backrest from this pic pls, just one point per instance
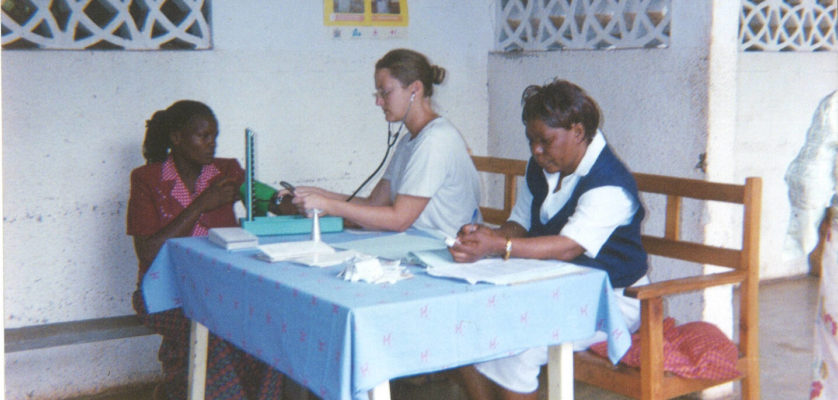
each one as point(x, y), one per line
point(675, 189)
point(511, 170)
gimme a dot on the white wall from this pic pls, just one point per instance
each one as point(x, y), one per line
point(777, 97)
point(656, 105)
point(73, 124)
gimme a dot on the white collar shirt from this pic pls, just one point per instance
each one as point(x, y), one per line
point(598, 212)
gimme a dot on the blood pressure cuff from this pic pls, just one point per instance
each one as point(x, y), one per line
point(263, 196)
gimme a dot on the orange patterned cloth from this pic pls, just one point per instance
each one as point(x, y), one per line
point(697, 350)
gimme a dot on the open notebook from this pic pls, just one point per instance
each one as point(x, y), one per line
point(494, 270)
point(433, 253)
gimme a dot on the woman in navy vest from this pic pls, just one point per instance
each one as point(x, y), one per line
point(580, 204)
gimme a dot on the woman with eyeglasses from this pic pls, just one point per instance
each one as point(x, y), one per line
point(431, 183)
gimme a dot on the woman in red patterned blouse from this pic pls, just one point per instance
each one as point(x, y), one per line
point(183, 190)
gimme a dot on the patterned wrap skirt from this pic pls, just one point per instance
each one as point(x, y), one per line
point(232, 374)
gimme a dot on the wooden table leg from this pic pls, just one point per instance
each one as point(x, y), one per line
point(380, 392)
point(560, 372)
point(198, 345)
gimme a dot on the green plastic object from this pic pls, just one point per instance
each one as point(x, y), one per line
point(263, 196)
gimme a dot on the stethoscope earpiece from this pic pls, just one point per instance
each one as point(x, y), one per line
point(391, 141)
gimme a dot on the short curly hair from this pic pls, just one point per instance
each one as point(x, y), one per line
point(561, 104)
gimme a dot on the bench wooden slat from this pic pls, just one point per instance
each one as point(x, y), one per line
point(495, 165)
point(73, 332)
point(694, 252)
point(692, 188)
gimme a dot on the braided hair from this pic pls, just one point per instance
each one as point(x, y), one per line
point(157, 143)
point(409, 66)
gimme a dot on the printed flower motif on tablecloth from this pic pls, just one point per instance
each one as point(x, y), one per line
point(458, 328)
point(583, 310)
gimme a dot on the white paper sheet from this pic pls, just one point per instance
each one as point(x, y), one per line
point(393, 247)
point(494, 270)
point(283, 251)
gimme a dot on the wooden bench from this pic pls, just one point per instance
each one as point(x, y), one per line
point(73, 332)
point(650, 381)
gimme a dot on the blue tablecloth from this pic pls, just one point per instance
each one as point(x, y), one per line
point(341, 339)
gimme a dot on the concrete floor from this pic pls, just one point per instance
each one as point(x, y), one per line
point(787, 310)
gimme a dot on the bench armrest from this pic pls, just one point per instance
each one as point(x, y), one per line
point(683, 285)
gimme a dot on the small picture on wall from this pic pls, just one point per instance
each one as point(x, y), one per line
point(349, 6)
point(385, 7)
point(365, 13)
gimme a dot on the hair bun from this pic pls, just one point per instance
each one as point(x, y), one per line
point(439, 74)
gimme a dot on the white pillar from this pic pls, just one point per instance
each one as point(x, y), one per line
point(723, 55)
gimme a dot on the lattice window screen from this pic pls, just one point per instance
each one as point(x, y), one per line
point(788, 25)
point(582, 24)
point(106, 24)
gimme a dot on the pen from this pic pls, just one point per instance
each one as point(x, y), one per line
point(449, 241)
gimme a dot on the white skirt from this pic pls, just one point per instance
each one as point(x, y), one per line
point(519, 373)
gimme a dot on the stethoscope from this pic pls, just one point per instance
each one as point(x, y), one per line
point(392, 138)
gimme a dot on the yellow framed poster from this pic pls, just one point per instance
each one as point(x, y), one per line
point(364, 13)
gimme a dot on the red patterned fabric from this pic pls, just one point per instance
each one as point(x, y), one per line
point(158, 196)
point(694, 350)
